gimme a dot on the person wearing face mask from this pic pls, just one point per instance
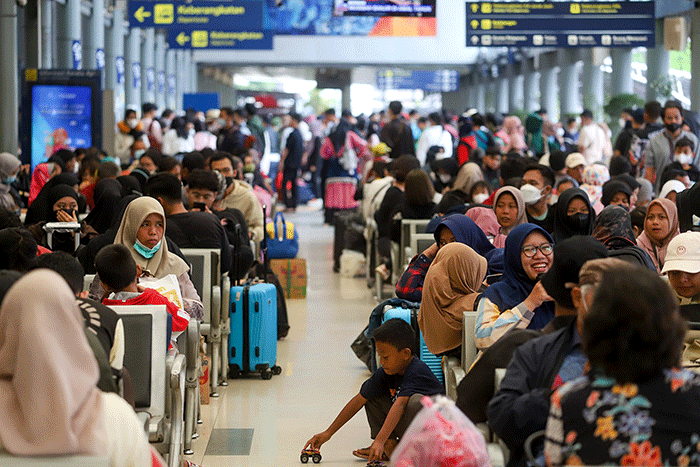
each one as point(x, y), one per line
point(9, 167)
point(142, 231)
point(63, 202)
point(661, 149)
point(573, 215)
point(538, 181)
point(129, 132)
point(684, 155)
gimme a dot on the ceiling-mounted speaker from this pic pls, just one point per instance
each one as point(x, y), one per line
point(675, 33)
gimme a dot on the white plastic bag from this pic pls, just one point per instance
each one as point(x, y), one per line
point(352, 264)
point(441, 436)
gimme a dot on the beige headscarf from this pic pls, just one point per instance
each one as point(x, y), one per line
point(500, 240)
point(468, 175)
point(163, 262)
point(644, 241)
point(450, 288)
point(49, 403)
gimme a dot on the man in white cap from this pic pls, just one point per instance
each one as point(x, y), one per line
point(575, 163)
point(683, 266)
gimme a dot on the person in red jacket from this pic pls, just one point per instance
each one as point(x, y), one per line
point(119, 273)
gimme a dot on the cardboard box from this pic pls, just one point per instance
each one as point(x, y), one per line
point(292, 276)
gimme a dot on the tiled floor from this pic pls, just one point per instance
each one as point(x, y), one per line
point(266, 423)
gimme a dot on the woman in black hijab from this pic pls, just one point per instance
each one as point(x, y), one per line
point(40, 209)
point(108, 193)
point(62, 203)
point(573, 215)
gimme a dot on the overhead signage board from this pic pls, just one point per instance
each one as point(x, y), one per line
point(429, 81)
point(199, 14)
point(187, 38)
point(560, 24)
point(384, 8)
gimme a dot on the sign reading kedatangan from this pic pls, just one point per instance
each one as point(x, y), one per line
point(501, 23)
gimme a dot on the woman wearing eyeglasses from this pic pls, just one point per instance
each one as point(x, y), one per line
point(518, 299)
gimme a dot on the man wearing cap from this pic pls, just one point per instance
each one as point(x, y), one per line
point(683, 267)
point(541, 365)
point(591, 139)
point(575, 163)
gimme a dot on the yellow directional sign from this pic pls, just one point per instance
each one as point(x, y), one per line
point(486, 8)
point(142, 14)
point(200, 39)
point(475, 8)
point(475, 24)
point(182, 38)
point(164, 13)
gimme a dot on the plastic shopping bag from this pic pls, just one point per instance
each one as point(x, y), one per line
point(441, 436)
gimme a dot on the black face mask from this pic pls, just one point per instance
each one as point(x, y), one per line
point(672, 127)
point(578, 221)
point(70, 212)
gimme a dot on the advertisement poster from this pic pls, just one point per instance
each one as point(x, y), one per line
point(319, 17)
point(61, 118)
point(385, 8)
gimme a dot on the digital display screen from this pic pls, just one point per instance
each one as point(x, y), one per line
point(61, 118)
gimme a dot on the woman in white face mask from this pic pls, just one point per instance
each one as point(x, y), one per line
point(129, 131)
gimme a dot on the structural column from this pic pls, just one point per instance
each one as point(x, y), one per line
point(515, 88)
point(170, 78)
point(180, 80)
point(160, 71)
point(549, 90)
point(132, 57)
point(621, 71)
point(114, 62)
point(9, 104)
point(95, 41)
point(48, 40)
point(657, 63)
point(593, 91)
point(480, 102)
point(194, 74)
point(695, 60)
point(568, 82)
point(148, 66)
point(531, 85)
point(70, 47)
point(502, 95)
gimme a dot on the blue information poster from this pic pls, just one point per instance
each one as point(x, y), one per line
point(429, 81)
point(596, 23)
point(61, 118)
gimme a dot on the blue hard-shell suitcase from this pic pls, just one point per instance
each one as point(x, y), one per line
point(411, 317)
point(253, 339)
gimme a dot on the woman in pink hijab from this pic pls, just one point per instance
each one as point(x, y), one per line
point(660, 227)
point(49, 404)
point(515, 131)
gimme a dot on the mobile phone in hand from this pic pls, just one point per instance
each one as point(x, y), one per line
point(199, 206)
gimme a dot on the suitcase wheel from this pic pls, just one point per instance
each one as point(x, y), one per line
point(276, 370)
point(266, 374)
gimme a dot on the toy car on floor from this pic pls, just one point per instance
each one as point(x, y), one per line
point(313, 454)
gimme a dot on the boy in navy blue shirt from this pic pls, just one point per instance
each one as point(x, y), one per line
point(391, 396)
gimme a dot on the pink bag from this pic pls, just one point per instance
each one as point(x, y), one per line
point(264, 198)
point(441, 435)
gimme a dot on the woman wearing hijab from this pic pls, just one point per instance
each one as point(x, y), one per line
point(9, 167)
point(613, 228)
point(451, 287)
point(468, 175)
point(518, 299)
point(54, 385)
point(515, 131)
point(142, 231)
point(573, 215)
point(594, 177)
point(455, 228)
point(509, 207)
point(616, 192)
point(486, 219)
point(342, 152)
point(62, 201)
point(108, 193)
point(660, 226)
point(40, 209)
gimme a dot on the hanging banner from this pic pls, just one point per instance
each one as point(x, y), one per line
point(77, 53)
point(119, 65)
point(136, 70)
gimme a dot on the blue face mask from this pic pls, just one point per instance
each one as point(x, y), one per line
point(146, 252)
point(9, 180)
